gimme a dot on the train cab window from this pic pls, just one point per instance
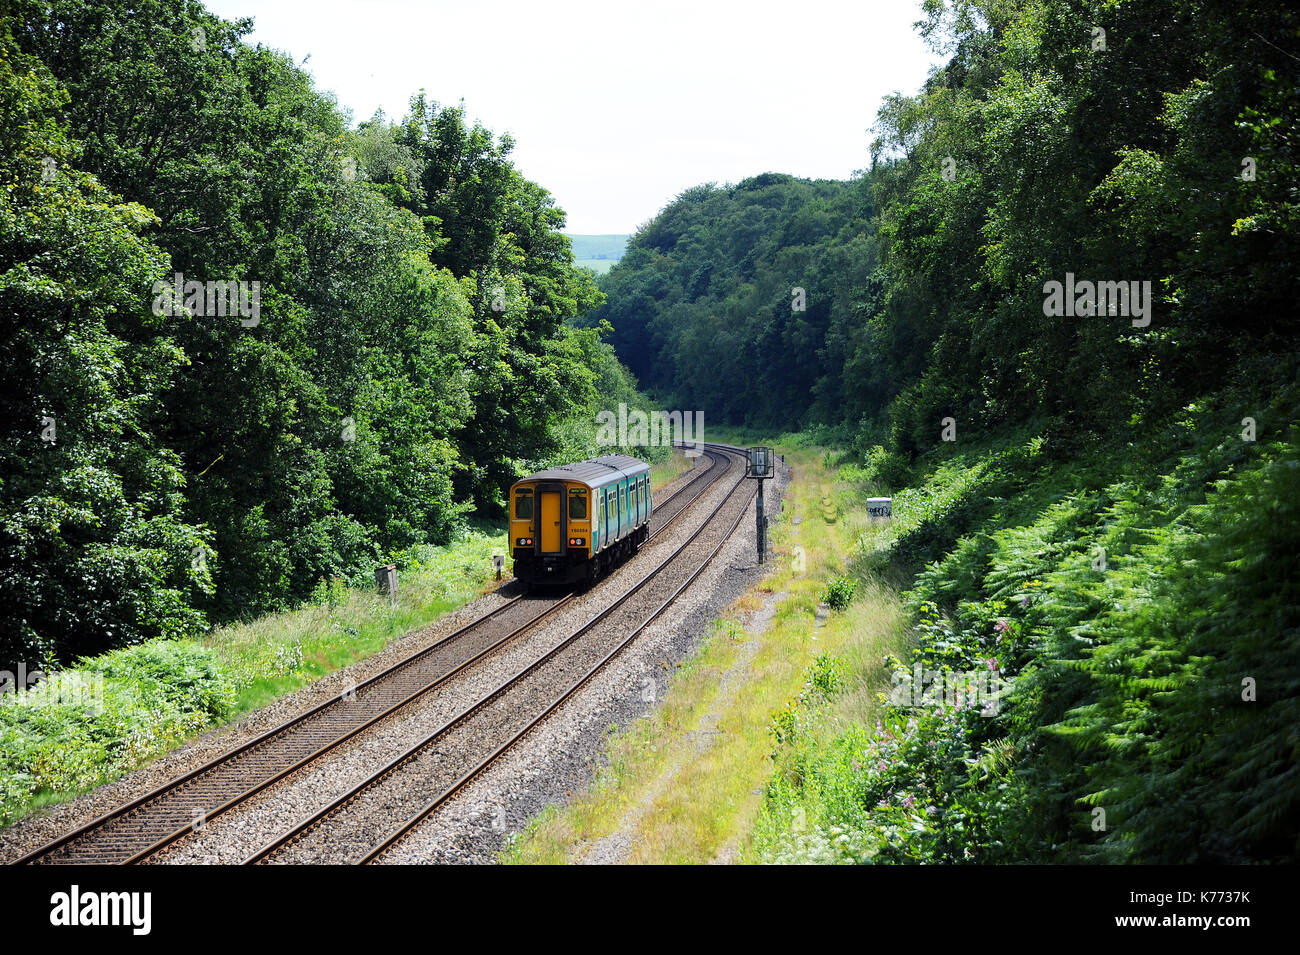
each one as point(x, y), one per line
point(524, 506)
point(577, 505)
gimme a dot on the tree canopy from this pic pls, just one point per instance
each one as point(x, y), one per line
point(408, 356)
point(1143, 141)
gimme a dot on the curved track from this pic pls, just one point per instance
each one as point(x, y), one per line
point(147, 824)
point(448, 759)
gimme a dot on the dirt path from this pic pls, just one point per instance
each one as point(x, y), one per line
point(615, 848)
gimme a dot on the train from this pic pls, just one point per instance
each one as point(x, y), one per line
point(572, 523)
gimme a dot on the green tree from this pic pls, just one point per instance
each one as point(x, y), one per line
point(94, 548)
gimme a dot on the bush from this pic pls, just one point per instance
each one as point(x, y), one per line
point(826, 675)
point(134, 704)
point(889, 468)
point(839, 592)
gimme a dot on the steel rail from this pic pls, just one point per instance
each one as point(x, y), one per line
point(468, 777)
point(313, 820)
point(173, 786)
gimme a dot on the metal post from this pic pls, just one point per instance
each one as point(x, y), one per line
point(759, 466)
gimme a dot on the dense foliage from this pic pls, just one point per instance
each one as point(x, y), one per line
point(1129, 632)
point(404, 355)
point(1096, 502)
point(739, 299)
point(1099, 508)
point(1136, 141)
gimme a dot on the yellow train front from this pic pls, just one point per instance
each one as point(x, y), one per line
point(574, 522)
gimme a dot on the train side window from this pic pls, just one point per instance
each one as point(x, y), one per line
point(524, 506)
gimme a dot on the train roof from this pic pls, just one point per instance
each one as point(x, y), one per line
point(594, 471)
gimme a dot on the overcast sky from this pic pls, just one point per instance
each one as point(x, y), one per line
point(617, 107)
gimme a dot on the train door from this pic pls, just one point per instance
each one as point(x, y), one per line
point(549, 532)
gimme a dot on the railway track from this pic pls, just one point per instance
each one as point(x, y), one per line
point(452, 756)
point(142, 827)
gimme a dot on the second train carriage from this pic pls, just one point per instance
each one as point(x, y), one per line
point(571, 523)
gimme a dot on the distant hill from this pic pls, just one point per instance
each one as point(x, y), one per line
point(598, 252)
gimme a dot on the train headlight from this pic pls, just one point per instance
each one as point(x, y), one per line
point(524, 541)
point(577, 541)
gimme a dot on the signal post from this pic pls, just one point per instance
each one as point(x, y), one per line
point(760, 466)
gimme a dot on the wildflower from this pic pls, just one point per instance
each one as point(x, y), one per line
point(1003, 625)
